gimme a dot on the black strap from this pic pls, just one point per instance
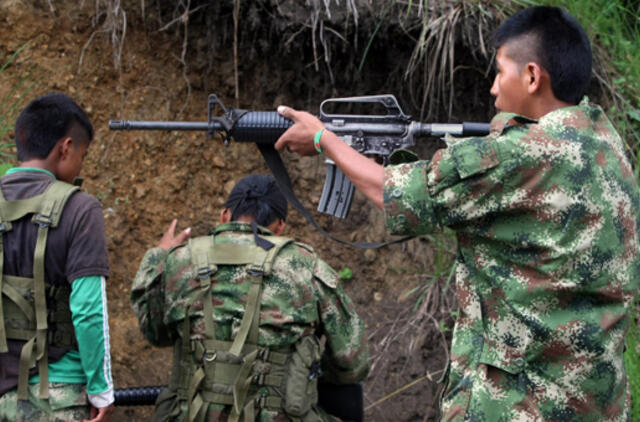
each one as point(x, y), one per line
point(260, 241)
point(275, 164)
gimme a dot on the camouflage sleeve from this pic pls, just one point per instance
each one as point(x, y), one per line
point(407, 205)
point(455, 186)
point(346, 356)
point(147, 297)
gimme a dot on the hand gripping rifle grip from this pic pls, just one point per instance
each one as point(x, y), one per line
point(261, 127)
point(337, 193)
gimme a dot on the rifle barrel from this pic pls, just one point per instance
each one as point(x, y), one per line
point(455, 129)
point(158, 125)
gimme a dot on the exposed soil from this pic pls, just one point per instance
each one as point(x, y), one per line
point(145, 179)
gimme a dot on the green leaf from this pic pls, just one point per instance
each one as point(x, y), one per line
point(345, 273)
point(4, 167)
point(634, 113)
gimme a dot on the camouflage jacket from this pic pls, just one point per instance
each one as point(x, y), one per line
point(546, 218)
point(302, 296)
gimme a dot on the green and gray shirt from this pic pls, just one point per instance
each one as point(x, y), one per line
point(546, 215)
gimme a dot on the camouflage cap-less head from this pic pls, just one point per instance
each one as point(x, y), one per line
point(259, 196)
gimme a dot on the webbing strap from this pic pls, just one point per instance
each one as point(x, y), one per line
point(243, 382)
point(251, 313)
point(26, 360)
point(201, 249)
point(195, 402)
point(43, 371)
point(4, 348)
point(40, 301)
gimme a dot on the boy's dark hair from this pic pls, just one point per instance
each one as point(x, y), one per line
point(44, 122)
point(557, 42)
point(257, 196)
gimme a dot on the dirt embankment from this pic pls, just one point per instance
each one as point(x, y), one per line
point(145, 179)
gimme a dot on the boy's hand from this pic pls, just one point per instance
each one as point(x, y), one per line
point(100, 415)
point(169, 239)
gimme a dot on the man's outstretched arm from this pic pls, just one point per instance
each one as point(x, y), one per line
point(364, 173)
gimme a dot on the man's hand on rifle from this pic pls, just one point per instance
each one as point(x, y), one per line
point(365, 174)
point(299, 137)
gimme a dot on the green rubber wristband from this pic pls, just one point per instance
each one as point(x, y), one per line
point(316, 140)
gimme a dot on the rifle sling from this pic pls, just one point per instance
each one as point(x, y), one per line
point(274, 162)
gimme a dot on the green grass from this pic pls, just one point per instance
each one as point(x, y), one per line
point(632, 364)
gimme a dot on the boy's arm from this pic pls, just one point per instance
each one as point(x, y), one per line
point(88, 304)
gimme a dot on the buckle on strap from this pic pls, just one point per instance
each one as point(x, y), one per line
point(259, 379)
point(264, 354)
point(204, 272)
point(209, 356)
point(255, 269)
point(261, 401)
point(43, 220)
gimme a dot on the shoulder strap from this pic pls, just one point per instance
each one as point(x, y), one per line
point(46, 207)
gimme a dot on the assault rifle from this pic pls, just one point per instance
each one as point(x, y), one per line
point(376, 134)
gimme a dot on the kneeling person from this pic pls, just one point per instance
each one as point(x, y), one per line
point(254, 318)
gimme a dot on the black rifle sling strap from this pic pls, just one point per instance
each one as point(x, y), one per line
point(279, 171)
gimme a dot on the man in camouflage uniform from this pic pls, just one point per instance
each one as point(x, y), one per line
point(301, 299)
point(545, 210)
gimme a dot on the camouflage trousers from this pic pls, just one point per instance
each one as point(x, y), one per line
point(66, 403)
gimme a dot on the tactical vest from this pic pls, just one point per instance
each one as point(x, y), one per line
point(240, 373)
point(23, 309)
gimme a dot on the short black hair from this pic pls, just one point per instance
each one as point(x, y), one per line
point(560, 46)
point(44, 122)
point(257, 196)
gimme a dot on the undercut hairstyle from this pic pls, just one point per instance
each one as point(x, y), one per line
point(555, 40)
point(257, 196)
point(45, 121)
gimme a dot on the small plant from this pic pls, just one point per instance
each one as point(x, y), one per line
point(345, 274)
